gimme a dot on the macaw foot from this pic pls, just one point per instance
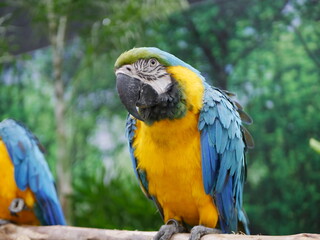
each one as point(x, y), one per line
point(167, 230)
point(198, 231)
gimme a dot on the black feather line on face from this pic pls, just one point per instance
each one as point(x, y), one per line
point(147, 72)
point(171, 105)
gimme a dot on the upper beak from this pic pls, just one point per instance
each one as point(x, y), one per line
point(134, 93)
point(129, 92)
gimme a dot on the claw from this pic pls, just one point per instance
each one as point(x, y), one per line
point(166, 231)
point(198, 231)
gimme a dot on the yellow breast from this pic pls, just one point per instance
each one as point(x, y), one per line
point(9, 191)
point(169, 151)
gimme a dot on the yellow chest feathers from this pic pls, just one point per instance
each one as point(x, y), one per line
point(9, 191)
point(167, 142)
point(169, 151)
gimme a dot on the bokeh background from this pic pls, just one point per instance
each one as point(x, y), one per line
point(56, 76)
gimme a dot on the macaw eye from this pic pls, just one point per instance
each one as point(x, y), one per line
point(152, 62)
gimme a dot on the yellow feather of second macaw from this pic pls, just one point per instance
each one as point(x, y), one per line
point(9, 191)
point(169, 152)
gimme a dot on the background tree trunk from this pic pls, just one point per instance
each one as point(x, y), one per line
point(57, 31)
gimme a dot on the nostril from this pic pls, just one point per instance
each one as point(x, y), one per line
point(129, 69)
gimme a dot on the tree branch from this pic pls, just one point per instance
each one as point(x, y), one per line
point(250, 47)
point(221, 78)
point(203, 44)
point(312, 56)
point(10, 232)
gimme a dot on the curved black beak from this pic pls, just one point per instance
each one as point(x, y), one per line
point(134, 93)
point(129, 93)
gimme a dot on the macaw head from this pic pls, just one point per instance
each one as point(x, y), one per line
point(147, 88)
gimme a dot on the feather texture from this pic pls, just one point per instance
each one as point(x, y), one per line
point(140, 174)
point(172, 152)
point(223, 162)
point(31, 170)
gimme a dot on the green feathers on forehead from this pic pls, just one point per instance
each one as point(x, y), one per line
point(135, 54)
point(163, 57)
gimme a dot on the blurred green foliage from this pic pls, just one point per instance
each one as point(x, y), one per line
point(265, 51)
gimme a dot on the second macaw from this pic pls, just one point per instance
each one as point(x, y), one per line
point(187, 143)
point(27, 189)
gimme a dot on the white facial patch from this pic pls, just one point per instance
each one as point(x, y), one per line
point(149, 71)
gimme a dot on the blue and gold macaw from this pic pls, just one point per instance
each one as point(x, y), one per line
point(186, 141)
point(27, 190)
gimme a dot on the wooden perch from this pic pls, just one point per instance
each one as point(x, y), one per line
point(13, 232)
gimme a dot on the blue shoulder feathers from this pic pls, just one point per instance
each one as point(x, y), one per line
point(31, 170)
point(141, 175)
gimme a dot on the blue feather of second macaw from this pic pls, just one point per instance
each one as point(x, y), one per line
point(21, 175)
point(33, 173)
point(53, 215)
point(31, 170)
point(20, 152)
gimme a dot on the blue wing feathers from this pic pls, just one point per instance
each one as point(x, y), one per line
point(130, 131)
point(208, 167)
point(53, 215)
point(222, 151)
point(31, 170)
point(232, 130)
point(217, 128)
point(212, 137)
point(225, 203)
point(224, 115)
point(141, 175)
point(223, 141)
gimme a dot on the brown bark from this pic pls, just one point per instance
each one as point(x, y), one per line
point(221, 76)
point(13, 232)
point(57, 30)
